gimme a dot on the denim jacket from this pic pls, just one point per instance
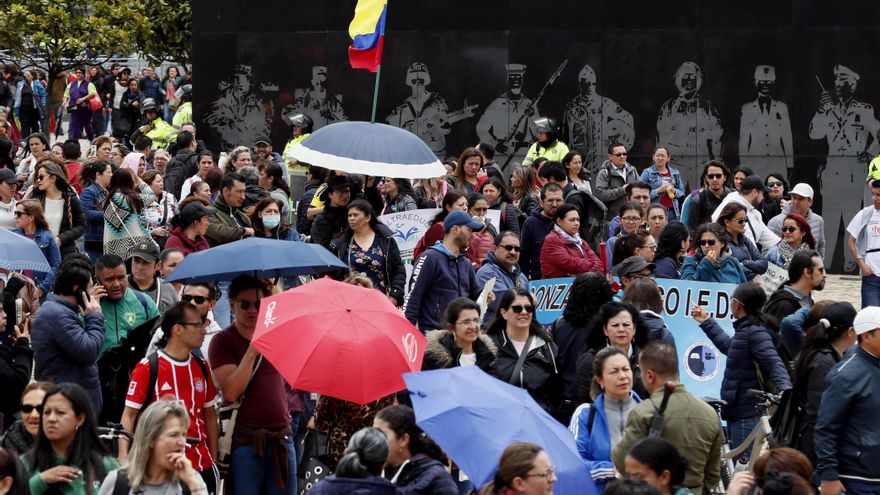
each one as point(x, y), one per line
point(49, 247)
point(655, 180)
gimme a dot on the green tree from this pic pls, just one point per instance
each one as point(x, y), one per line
point(57, 35)
point(170, 36)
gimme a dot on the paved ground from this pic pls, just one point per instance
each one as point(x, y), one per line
point(841, 288)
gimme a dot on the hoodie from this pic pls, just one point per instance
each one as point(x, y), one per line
point(438, 277)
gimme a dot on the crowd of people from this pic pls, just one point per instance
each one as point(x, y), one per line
point(102, 338)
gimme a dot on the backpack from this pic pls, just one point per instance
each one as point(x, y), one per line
point(153, 360)
point(122, 487)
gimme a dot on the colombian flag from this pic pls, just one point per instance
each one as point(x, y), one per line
point(367, 31)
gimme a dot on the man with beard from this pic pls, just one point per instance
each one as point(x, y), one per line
point(765, 129)
point(442, 274)
point(850, 129)
point(714, 176)
point(594, 121)
point(750, 195)
point(806, 274)
point(688, 125)
point(496, 126)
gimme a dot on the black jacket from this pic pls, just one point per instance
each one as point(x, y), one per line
point(781, 304)
point(584, 377)
point(809, 396)
point(539, 375)
point(570, 340)
point(16, 363)
point(509, 216)
point(423, 476)
point(329, 224)
point(73, 220)
point(395, 272)
point(303, 224)
point(442, 352)
point(182, 166)
point(702, 206)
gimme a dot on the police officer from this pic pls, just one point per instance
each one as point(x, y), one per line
point(158, 130)
point(850, 129)
point(498, 124)
point(548, 145)
point(424, 112)
point(184, 112)
point(302, 126)
point(594, 121)
point(688, 125)
point(765, 129)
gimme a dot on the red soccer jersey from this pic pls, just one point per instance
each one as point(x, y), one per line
point(183, 381)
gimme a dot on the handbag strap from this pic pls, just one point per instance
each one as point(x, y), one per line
point(520, 361)
point(250, 378)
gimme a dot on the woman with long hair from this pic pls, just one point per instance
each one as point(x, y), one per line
point(797, 235)
point(470, 164)
point(616, 325)
point(167, 87)
point(429, 193)
point(399, 195)
point(658, 462)
point(645, 296)
point(672, 247)
point(712, 260)
point(37, 149)
point(483, 240)
point(206, 162)
point(774, 201)
point(734, 220)
point(452, 201)
point(564, 253)
point(22, 434)
point(130, 112)
point(124, 227)
point(269, 223)
point(667, 187)
point(657, 218)
point(750, 350)
point(159, 213)
point(30, 223)
point(272, 180)
point(61, 206)
point(577, 174)
point(596, 431)
point(68, 456)
point(495, 193)
point(95, 179)
point(13, 478)
point(367, 249)
point(824, 346)
point(525, 192)
point(524, 469)
point(360, 468)
point(156, 462)
point(239, 158)
point(416, 465)
point(516, 331)
point(639, 243)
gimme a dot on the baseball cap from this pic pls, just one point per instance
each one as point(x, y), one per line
point(194, 211)
point(8, 176)
point(632, 264)
point(148, 251)
point(867, 319)
point(460, 218)
point(839, 315)
point(753, 182)
point(803, 190)
point(262, 139)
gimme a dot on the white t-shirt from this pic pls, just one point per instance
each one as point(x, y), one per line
point(7, 214)
point(873, 259)
point(54, 213)
point(519, 346)
point(467, 359)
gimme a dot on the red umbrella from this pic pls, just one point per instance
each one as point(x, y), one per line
point(338, 339)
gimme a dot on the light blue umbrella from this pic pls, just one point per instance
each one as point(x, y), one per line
point(473, 417)
point(370, 149)
point(261, 258)
point(18, 253)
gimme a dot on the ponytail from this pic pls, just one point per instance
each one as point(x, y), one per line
point(366, 454)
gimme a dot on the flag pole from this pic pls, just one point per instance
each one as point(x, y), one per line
point(376, 93)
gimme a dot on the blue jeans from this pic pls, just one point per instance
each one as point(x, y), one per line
point(870, 291)
point(252, 475)
point(739, 430)
point(222, 311)
point(854, 487)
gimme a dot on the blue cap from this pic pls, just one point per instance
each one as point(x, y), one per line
point(460, 218)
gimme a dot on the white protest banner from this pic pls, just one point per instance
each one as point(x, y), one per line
point(407, 228)
point(773, 278)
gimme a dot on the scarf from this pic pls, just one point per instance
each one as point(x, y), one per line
point(721, 258)
point(786, 251)
point(570, 239)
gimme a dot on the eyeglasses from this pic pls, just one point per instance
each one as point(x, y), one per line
point(194, 299)
point(29, 408)
point(246, 305)
point(519, 308)
point(708, 242)
point(631, 219)
point(714, 176)
point(469, 323)
point(652, 247)
point(789, 230)
point(511, 247)
point(550, 473)
point(620, 154)
point(774, 184)
point(741, 220)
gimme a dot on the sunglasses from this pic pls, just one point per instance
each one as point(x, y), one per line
point(620, 154)
point(28, 408)
point(40, 178)
point(19, 213)
point(741, 220)
point(246, 305)
point(774, 184)
point(197, 299)
point(708, 242)
point(511, 247)
point(519, 308)
point(714, 176)
point(789, 230)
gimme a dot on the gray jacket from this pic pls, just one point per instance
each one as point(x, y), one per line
point(609, 187)
point(817, 226)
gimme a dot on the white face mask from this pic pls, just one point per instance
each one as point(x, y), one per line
point(271, 221)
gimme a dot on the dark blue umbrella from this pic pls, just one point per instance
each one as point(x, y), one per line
point(369, 149)
point(473, 417)
point(261, 258)
point(18, 253)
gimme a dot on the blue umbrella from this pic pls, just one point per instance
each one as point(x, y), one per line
point(369, 149)
point(261, 258)
point(473, 417)
point(17, 252)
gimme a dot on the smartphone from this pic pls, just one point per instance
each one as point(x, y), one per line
point(19, 311)
point(80, 300)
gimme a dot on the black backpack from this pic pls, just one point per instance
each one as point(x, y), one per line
point(153, 359)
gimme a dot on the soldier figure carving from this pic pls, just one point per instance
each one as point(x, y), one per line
point(765, 129)
point(496, 125)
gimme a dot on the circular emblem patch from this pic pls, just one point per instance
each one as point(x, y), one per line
point(702, 361)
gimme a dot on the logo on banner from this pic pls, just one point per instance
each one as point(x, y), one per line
point(702, 362)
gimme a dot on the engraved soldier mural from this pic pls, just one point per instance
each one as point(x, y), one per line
point(502, 124)
point(316, 103)
point(765, 129)
point(593, 122)
point(689, 126)
point(425, 113)
point(243, 111)
point(850, 129)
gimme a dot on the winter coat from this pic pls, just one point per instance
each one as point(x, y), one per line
point(222, 227)
point(482, 243)
point(592, 213)
point(329, 224)
point(696, 267)
point(509, 216)
point(667, 268)
point(653, 178)
point(73, 221)
point(809, 397)
point(748, 255)
point(92, 201)
point(438, 277)
point(570, 340)
point(534, 231)
point(179, 240)
point(432, 235)
point(609, 186)
point(751, 344)
point(303, 224)
point(17, 440)
point(562, 259)
point(182, 166)
point(402, 202)
point(16, 364)
point(781, 304)
point(424, 476)
point(46, 241)
point(817, 227)
point(792, 332)
point(657, 327)
point(527, 205)
point(594, 441)
point(66, 346)
point(769, 208)
point(584, 374)
point(539, 375)
point(395, 272)
point(702, 206)
point(373, 485)
point(442, 352)
point(503, 280)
